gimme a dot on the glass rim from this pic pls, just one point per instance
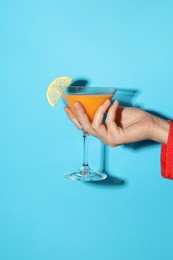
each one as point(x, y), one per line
point(102, 89)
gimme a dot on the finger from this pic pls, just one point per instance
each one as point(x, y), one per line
point(72, 118)
point(99, 115)
point(83, 118)
point(111, 115)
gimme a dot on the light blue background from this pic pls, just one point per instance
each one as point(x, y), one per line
point(128, 44)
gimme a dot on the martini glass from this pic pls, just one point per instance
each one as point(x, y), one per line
point(90, 98)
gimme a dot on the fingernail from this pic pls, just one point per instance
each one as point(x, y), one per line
point(76, 104)
point(106, 102)
point(115, 102)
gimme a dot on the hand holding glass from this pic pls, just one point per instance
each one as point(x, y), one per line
point(90, 98)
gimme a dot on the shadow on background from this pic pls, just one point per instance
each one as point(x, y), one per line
point(126, 96)
point(80, 82)
point(110, 181)
point(75, 86)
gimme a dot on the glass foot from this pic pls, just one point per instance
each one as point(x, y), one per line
point(85, 173)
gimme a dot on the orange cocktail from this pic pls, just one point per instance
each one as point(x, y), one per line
point(90, 98)
point(89, 102)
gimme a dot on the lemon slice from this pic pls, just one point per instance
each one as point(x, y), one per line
point(56, 89)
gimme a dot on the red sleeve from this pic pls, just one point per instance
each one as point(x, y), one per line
point(166, 156)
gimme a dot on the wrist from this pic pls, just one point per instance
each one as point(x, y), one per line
point(160, 130)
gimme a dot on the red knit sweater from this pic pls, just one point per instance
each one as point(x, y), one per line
point(166, 156)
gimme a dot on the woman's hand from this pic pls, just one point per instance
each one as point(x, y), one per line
point(122, 125)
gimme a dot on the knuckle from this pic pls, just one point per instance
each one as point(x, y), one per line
point(78, 127)
point(94, 127)
point(87, 128)
point(112, 145)
point(111, 142)
point(108, 122)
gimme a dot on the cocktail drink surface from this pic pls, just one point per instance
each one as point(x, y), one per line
point(89, 102)
point(90, 98)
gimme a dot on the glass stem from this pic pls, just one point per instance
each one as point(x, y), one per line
point(85, 149)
